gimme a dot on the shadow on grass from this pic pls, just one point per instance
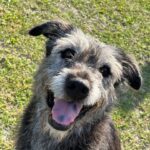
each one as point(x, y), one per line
point(130, 99)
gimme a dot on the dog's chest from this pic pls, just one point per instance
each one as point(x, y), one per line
point(74, 142)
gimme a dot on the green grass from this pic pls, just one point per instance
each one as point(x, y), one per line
point(121, 23)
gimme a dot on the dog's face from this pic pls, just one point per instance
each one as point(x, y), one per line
point(79, 74)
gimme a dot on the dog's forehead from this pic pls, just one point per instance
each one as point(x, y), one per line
point(90, 50)
point(76, 40)
point(86, 44)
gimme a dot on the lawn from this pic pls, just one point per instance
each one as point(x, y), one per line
point(125, 24)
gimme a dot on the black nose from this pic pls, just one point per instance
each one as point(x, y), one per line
point(76, 90)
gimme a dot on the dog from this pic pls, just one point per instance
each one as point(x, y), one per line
point(73, 92)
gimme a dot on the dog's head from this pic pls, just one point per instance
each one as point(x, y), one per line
point(79, 73)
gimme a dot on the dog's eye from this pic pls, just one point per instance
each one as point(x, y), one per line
point(67, 53)
point(105, 70)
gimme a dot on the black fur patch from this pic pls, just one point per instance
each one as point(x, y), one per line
point(130, 71)
point(52, 29)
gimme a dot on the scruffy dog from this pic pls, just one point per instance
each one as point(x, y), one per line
point(73, 91)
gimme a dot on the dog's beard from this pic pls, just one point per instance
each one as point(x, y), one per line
point(64, 114)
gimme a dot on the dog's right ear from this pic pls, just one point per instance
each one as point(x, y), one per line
point(52, 29)
point(131, 71)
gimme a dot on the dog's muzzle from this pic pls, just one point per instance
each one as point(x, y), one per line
point(66, 110)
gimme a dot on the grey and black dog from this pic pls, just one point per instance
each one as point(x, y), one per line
point(73, 92)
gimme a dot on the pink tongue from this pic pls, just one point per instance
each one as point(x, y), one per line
point(64, 112)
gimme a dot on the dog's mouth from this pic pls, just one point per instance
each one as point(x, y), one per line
point(63, 113)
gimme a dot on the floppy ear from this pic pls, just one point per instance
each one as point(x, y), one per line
point(131, 72)
point(51, 29)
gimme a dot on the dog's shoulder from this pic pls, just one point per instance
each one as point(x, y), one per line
point(25, 132)
point(106, 135)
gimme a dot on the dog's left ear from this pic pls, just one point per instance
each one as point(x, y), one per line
point(51, 29)
point(131, 73)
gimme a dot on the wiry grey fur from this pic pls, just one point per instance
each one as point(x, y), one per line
point(94, 130)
